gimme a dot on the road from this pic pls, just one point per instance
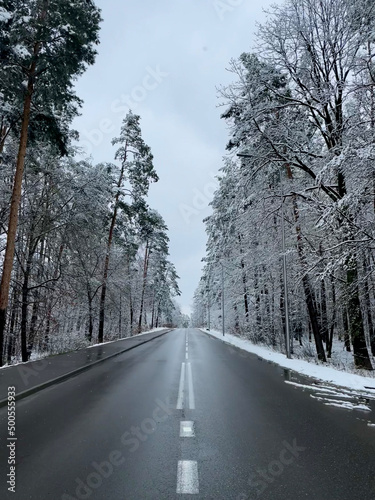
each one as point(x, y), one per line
point(186, 416)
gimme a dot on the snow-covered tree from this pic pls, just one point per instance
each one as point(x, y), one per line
point(301, 115)
point(45, 46)
point(134, 175)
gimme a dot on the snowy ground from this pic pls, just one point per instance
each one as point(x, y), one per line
point(136, 335)
point(314, 369)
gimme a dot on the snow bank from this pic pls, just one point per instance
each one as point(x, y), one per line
point(124, 338)
point(318, 371)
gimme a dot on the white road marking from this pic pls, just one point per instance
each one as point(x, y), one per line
point(181, 390)
point(191, 388)
point(187, 477)
point(187, 428)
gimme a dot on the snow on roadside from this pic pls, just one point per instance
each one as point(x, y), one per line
point(124, 338)
point(46, 355)
point(318, 371)
point(33, 357)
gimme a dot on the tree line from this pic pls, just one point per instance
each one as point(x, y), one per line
point(301, 115)
point(83, 256)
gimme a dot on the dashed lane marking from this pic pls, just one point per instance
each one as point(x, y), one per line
point(181, 390)
point(187, 477)
point(187, 428)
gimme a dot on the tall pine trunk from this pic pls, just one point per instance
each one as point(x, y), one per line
point(107, 258)
point(14, 205)
point(144, 282)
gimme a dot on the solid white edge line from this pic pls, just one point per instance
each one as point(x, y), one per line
point(180, 399)
point(187, 477)
point(191, 388)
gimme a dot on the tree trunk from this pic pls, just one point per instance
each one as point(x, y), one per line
point(356, 329)
point(345, 318)
point(120, 319)
point(244, 282)
point(310, 302)
point(324, 316)
point(367, 299)
point(107, 258)
point(102, 302)
point(153, 312)
point(24, 313)
point(144, 282)
point(131, 316)
point(91, 322)
point(11, 339)
point(4, 133)
point(14, 206)
point(26, 353)
point(307, 288)
point(157, 317)
point(282, 306)
point(333, 320)
point(33, 322)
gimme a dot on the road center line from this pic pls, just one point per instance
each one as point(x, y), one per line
point(187, 428)
point(191, 388)
point(187, 477)
point(181, 390)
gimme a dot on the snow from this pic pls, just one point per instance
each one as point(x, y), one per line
point(21, 51)
point(133, 336)
point(4, 15)
point(67, 28)
point(35, 357)
point(347, 405)
point(317, 371)
point(326, 390)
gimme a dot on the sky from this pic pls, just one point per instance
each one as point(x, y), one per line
point(165, 60)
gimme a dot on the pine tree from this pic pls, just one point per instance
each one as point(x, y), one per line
point(45, 45)
point(134, 176)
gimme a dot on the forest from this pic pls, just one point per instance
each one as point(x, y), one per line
point(297, 186)
point(83, 257)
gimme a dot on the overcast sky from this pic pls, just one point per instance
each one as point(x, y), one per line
point(164, 59)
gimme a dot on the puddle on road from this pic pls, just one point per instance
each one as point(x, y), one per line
point(332, 395)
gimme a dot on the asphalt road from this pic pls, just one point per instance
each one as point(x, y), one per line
point(186, 416)
point(30, 376)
